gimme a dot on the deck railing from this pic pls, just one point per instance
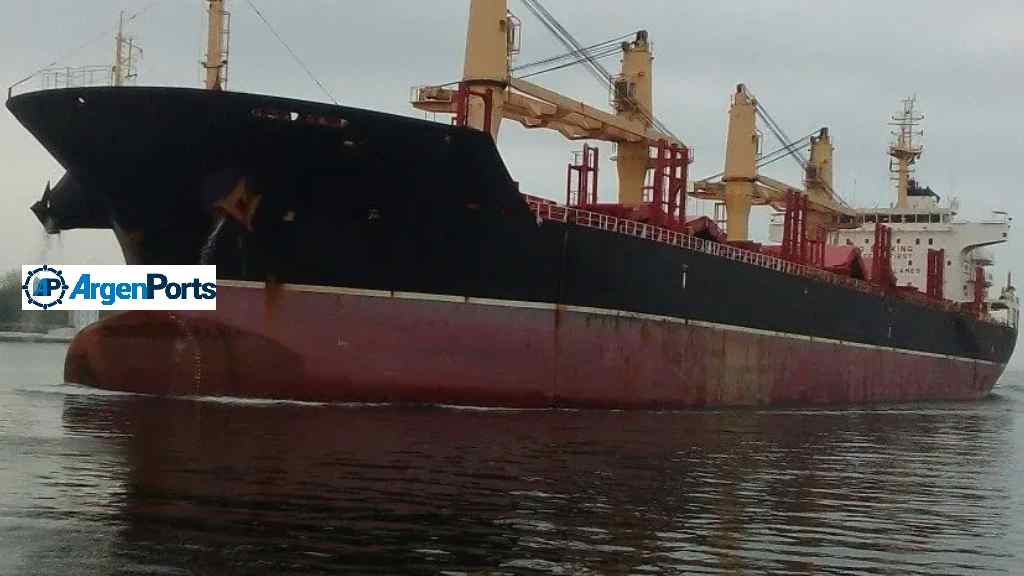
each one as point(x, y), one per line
point(546, 210)
point(56, 78)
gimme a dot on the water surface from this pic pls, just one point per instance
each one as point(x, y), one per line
point(100, 483)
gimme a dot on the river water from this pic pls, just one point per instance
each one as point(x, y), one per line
point(99, 483)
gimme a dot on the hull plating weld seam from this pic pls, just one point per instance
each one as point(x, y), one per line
point(585, 310)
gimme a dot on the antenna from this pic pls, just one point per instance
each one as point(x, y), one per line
point(903, 151)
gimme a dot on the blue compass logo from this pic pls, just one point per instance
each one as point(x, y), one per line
point(45, 287)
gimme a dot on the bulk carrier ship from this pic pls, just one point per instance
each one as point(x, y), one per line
point(368, 257)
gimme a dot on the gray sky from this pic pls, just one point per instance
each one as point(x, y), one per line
point(812, 63)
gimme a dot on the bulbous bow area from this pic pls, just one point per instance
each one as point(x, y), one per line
point(182, 354)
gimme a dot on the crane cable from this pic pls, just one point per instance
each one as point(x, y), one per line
point(779, 134)
point(782, 152)
point(599, 72)
point(608, 52)
point(773, 156)
point(594, 49)
point(294, 56)
point(562, 35)
point(796, 154)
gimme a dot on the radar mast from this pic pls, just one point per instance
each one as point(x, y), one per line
point(904, 153)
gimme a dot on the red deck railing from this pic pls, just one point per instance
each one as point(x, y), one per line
point(548, 210)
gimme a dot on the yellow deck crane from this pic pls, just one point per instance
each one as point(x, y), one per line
point(488, 93)
point(740, 186)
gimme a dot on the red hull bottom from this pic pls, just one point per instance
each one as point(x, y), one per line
point(322, 344)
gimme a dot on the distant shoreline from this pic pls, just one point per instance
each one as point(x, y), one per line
point(34, 338)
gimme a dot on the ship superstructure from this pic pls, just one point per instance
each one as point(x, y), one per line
point(927, 227)
point(930, 243)
point(364, 256)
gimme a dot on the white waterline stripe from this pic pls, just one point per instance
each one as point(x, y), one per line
point(420, 296)
point(513, 303)
point(430, 297)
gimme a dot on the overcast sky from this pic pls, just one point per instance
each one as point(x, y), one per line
point(812, 63)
